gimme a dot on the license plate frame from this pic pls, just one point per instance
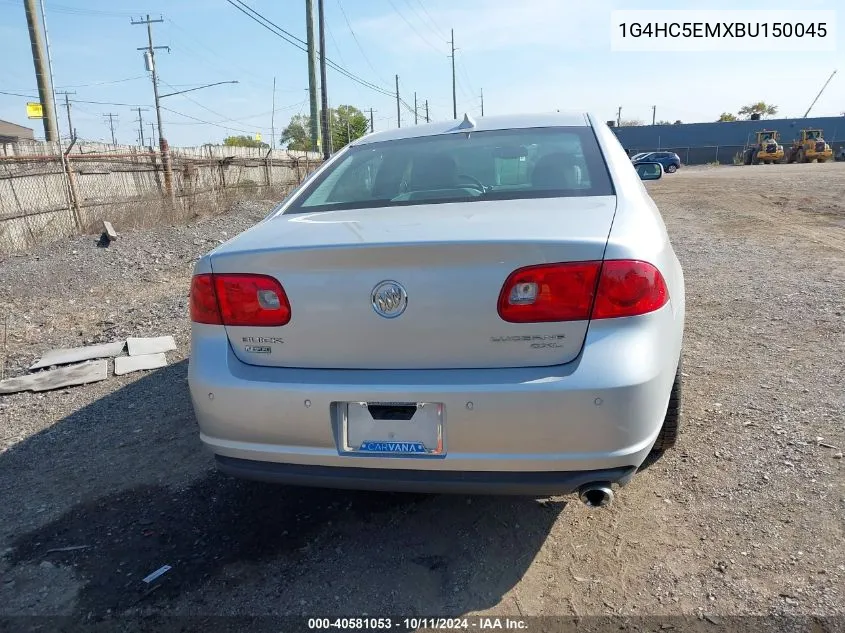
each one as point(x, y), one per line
point(421, 436)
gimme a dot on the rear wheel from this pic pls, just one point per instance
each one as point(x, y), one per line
point(672, 422)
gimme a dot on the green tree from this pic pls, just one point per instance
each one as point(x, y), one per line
point(760, 108)
point(297, 135)
point(663, 122)
point(243, 141)
point(347, 124)
point(726, 117)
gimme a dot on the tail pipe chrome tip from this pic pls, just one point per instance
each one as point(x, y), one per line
point(596, 495)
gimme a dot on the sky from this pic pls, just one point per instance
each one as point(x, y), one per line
point(526, 56)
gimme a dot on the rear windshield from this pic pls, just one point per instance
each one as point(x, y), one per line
point(462, 167)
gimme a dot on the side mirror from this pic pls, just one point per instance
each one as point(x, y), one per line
point(649, 171)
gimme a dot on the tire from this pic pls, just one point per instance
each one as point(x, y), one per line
point(672, 422)
point(800, 157)
point(671, 169)
point(749, 156)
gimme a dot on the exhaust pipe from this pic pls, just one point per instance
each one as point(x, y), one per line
point(596, 495)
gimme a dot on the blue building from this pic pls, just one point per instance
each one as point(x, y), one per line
point(701, 143)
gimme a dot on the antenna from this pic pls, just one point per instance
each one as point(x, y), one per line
point(467, 123)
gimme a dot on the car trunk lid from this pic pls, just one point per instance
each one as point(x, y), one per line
point(450, 260)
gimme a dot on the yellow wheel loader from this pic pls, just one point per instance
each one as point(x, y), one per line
point(767, 150)
point(809, 146)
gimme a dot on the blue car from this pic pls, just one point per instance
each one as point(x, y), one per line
point(670, 160)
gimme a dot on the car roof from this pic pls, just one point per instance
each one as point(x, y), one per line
point(508, 122)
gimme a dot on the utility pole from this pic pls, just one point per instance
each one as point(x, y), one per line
point(653, 114)
point(272, 140)
point(372, 126)
point(482, 102)
point(454, 94)
point(273, 118)
point(151, 66)
point(619, 117)
point(331, 131)
point(42, 72)
point(416, 118)
point(49, 106)
point(398, 111)
point(348, 129)
point(70, 129)
point(152, 130)
point(312, 76)
point(324, 93)
point(426, 111)
point(111, 118)
point(140, 125)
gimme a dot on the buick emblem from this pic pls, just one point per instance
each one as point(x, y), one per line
point(389, 299)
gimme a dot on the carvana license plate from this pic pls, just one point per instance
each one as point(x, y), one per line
point(393, 447)
point(392, 428)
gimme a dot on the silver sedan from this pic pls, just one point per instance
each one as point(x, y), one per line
point(476, 306)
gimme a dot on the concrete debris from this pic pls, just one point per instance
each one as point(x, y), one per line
point(154, 345)
point(108, 231)
point(69, 548)
point(81, 374)
point(158, 573)
point(128, 364)
point(78, 354)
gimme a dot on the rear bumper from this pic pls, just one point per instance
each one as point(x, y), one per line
point(601, 412)
point(445, 481)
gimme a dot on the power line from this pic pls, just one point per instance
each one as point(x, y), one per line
point(224, 127)
point(58, 8)
point(295, 41)
point(302, 45)
point(440, 33)
point(104, 83)
point(413, 28)
point(466, 76)
point(30, 96)
point(251, 116)
point(195, 102)
point(360, 48)
point(259, 80)
point(334, 43)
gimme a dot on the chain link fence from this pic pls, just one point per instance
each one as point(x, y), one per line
point(46, 195)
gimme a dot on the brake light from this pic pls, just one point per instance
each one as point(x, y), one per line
point(579, 291)
point(203, 301)
point(239, 300)
point(549, 292)
point(629, 288)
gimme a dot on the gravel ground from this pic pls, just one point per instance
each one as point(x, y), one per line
point(746, 516)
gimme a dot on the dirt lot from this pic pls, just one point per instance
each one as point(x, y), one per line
point(746, 516)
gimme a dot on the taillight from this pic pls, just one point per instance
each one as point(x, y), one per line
point(578, 291)
point(203, 301)
point(629, 288)
point(549, 292)
point(239, 300)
